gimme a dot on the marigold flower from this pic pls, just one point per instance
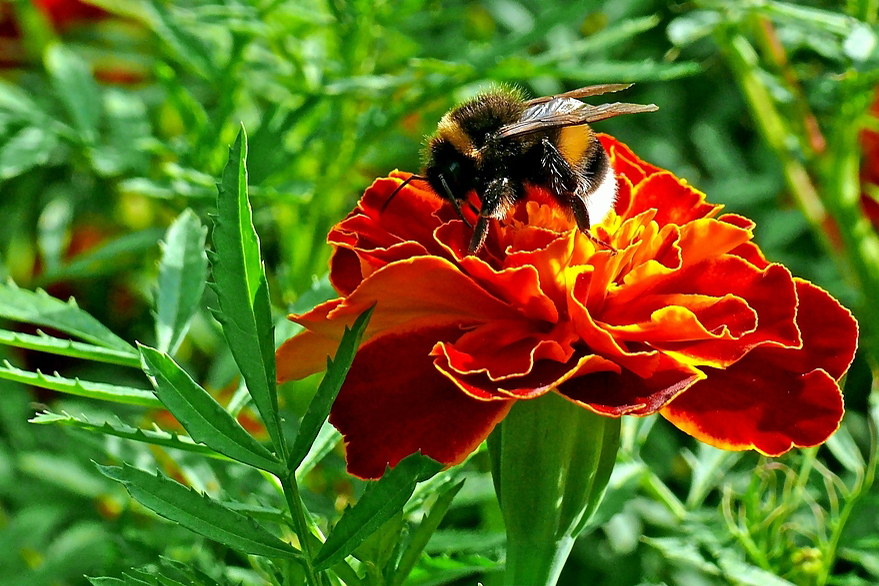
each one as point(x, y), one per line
point(686, 318)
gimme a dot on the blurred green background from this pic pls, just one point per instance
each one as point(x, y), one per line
point(116, 115)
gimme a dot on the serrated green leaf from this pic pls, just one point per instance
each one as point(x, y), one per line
point(382, 500)
point(26, 149)
point(183, 272)
point(200, 414)
point(43, 342)
point(76, 89)
point(337, 370)
point(156, 437)
point(423, 533)
point(198, 512)
point(80, 388)
point(242, 290)
point(39, 308)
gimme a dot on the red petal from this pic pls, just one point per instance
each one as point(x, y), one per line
point(770, 292)
point(829, 332)
point(675, 201)
point(407, 295)
point(625, 393)
point(394, 403)
point(775, 398)
point(750, 405)
point(544, 376)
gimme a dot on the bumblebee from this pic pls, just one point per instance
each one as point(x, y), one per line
point(498, 144)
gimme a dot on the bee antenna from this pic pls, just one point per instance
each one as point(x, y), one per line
point(454, 201)
point(399, 187)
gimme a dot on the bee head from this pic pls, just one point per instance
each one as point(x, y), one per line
point(451, 173)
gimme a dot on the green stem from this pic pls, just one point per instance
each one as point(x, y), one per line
point(743, 62)
point(294, 503)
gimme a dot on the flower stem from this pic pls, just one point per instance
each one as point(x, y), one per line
point(294, 503)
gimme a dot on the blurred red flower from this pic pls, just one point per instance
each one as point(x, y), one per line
point(687, 319)
point(870, 169)
point(61, 14)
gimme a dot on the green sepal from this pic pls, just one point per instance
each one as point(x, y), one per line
point(551, 461)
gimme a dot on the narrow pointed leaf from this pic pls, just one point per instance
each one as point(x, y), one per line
point(43, 342)
point(200, 414)
point(198, 512)
point(382, 500)
point(156, 437)
point(76, 89)
point(183, 272)
point(80, 388)
point(42, 309)
point(319, 409)
point(242, 290)
point(422, 535)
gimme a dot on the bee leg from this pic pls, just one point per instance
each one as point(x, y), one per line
point(497, 198)
point(479, 234)
point(581, 215)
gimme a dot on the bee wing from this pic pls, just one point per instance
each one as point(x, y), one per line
point(583, 92)
point(561, 112)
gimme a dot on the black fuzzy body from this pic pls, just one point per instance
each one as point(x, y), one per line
point(468, 154)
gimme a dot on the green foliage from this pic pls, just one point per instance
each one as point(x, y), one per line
point(242, 291)
point(182, 276)
point(382, 500)
point(198, 513)
point(200, 414)
point(113, 136)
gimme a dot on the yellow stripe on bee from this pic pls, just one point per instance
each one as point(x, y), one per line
point(451, 131)
point(573, 142)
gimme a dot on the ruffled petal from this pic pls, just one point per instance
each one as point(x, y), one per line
point(394, 403)
point(776, 398)
point(625, 393)
point(407, 295)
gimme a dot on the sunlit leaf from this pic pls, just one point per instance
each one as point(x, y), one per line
point(80, 388)
point(41, 309)
point(182, 276)
point(76, 89)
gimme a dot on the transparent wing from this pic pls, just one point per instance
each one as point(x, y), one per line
point(566, 111)
point(583, 92)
